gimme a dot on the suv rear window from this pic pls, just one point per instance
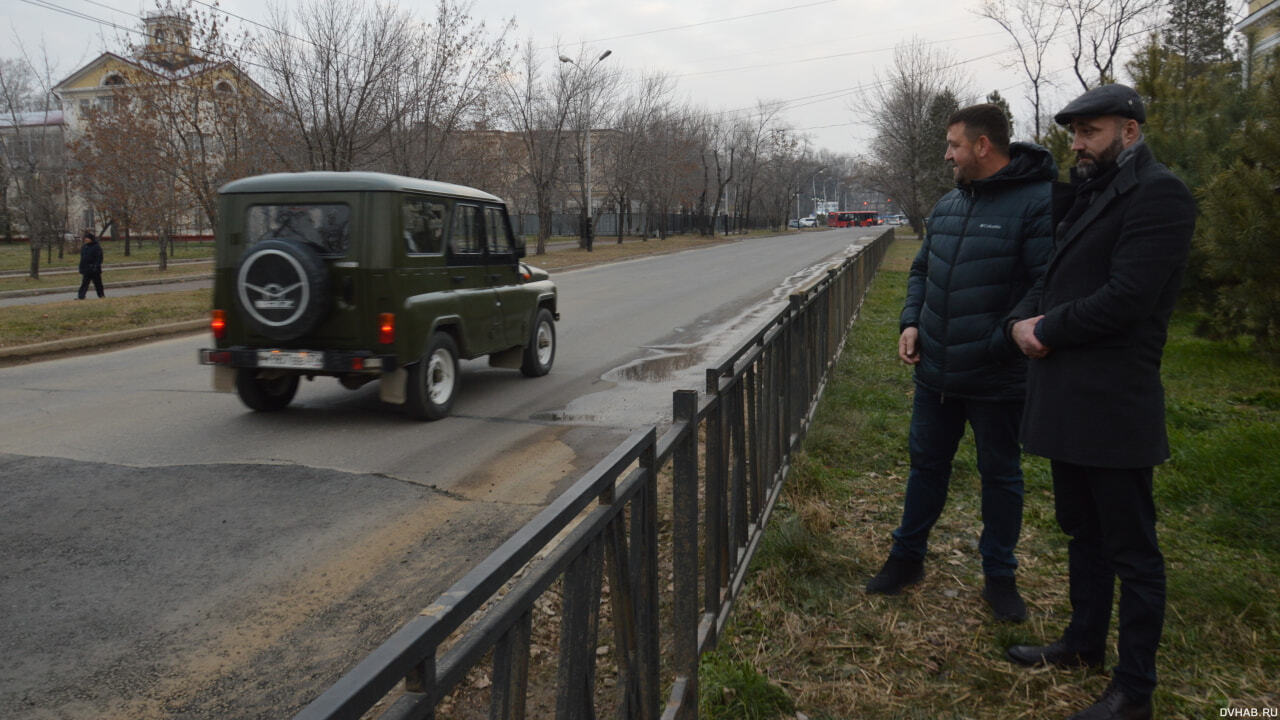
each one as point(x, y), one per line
point(324, 226)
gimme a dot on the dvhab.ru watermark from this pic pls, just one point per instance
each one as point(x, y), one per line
point(1248, 712)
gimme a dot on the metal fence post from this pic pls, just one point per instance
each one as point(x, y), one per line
point(684, 555)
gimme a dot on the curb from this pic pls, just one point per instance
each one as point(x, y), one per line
point(36, 350)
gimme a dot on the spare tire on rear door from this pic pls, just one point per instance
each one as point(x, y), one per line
point(282, 288)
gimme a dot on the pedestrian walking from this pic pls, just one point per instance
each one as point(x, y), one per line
point(1095, 328)
point(987, 242)
point(90, 265)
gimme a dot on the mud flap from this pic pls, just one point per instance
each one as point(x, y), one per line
point(510, 358)
point(392, 386)
point(224, 378)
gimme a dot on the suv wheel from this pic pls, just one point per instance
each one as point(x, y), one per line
point(540, 353)
point(434, 380)
point(265, 393)
point(282, 289)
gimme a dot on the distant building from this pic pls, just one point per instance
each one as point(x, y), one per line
point(166, 56)
point(1261, 28)
point(31, 144)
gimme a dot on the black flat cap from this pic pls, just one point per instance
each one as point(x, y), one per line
point(1106, 100)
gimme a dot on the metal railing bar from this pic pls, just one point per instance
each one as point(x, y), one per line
point(579, 629)
point(472, 646)
point(511, 671)
point(734, 588)
point(378, 673)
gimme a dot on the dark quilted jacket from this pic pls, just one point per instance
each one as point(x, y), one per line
point(986, 245)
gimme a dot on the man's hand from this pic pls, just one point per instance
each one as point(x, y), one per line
point(908, 346)
point(1024, 334)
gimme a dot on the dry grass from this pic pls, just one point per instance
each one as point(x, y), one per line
point(27, 324)
point(933, 652)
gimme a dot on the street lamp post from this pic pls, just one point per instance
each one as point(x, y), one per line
point(813, 189)
point(589, 231)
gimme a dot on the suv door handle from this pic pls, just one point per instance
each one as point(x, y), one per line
point(495, 278)
point(458, 279)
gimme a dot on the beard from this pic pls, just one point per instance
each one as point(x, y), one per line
point(1095, 165)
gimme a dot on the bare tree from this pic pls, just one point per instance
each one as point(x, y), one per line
point(757, 131)
point(452, 66)
point(33, 155)
point(626, 157)
point(911, 107)
point(1100, 29)
point(536, 108)
point(1032, 25)
point(593, 88)
point(338, 76)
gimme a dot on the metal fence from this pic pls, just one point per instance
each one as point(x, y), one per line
point(727, 452)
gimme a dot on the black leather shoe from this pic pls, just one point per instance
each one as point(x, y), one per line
point(1115, 705)
point(1055, 653)
point(896, 574)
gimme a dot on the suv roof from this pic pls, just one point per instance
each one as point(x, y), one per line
point(348, 181)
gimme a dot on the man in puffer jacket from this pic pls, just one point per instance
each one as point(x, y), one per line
point(988, 241)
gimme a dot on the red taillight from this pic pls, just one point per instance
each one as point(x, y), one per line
point(218, 324)
point(386, 328)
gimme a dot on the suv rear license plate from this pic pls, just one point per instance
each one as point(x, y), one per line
point(295, 359)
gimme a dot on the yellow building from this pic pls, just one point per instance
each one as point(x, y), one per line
point(165, 59)
point(1261, 26)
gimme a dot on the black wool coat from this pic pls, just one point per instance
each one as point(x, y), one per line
point(90, 258)
point(988, 242)
point(1106, 296)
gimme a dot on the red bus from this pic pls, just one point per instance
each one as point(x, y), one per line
point(853, 218)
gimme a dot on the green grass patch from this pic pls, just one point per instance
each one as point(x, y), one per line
point(933, 652)
point(17, 256)
point(734, 691)
point(69, 282)
point(26, 324)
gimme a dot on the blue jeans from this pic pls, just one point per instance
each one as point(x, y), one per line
point(937, 424)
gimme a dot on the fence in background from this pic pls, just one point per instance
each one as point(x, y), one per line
point(728, 451)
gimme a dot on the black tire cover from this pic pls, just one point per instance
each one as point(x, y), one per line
point(282, 288)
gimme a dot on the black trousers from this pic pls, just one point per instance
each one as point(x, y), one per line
point(1110, 517)
point(97, 284)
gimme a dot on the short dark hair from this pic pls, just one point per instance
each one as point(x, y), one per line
point(88, 235)
point(985, 119)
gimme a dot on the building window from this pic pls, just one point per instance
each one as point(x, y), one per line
point(84, 106)
point(223, 86)
point(113, 80)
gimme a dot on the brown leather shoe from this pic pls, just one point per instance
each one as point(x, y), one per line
point(1055, 653)
point(1114, 704)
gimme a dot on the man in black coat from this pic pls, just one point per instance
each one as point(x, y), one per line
point(988, 241)
point(90, 265)
point(1095, 327)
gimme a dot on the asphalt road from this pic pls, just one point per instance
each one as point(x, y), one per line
point(170, 554)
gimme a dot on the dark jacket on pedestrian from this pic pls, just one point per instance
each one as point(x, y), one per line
point(987, 243)
point(90, 258)
point(1119, 256)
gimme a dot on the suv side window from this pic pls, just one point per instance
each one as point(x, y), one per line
point(465, 241)
point(496, 232)
point(423, 220)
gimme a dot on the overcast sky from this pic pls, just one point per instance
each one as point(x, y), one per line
point(821, 57)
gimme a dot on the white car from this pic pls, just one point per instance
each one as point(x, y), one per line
point(810, 221)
